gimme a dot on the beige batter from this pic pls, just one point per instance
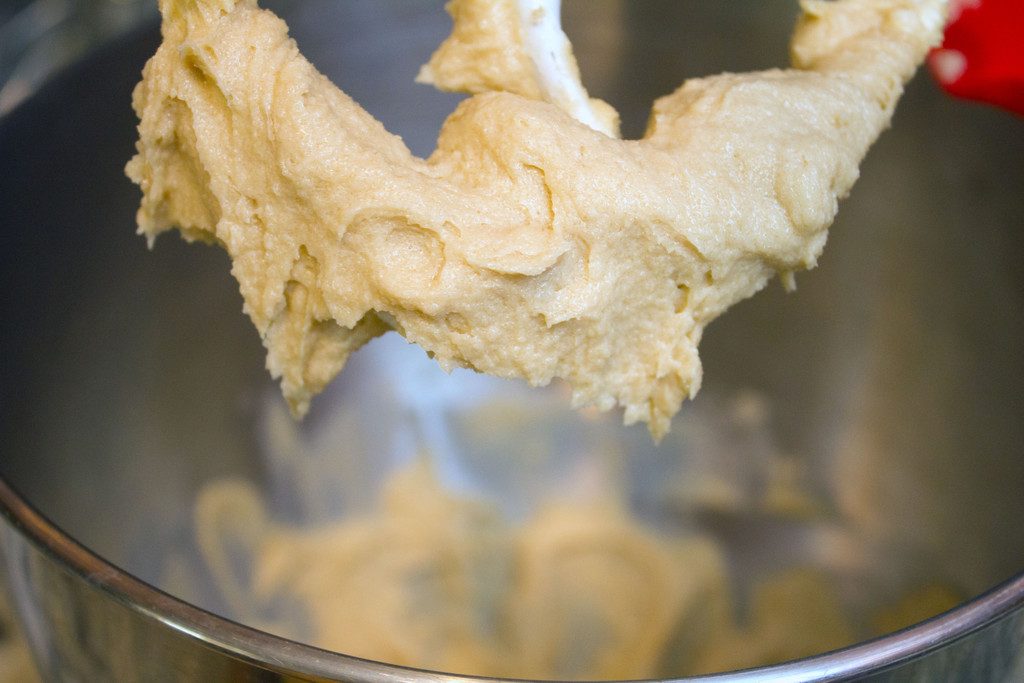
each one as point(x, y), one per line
point(582, 590)
point(16, 664)
point(515, 46)
point(529, 244)
point(434, 580)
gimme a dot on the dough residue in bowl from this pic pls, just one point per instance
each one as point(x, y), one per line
point(582, 589)
point(436, 580)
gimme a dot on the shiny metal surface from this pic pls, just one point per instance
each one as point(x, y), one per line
point(39, 37)
point(88, 620)
point(893, 375)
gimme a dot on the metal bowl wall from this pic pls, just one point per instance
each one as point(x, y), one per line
point(130, 378)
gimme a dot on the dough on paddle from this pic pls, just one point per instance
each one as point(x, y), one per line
point(528, 245)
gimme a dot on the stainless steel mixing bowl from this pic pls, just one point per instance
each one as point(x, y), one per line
point(892, 381)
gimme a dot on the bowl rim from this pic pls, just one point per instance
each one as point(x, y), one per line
point(275, 653)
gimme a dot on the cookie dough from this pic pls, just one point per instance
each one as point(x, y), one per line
point(16, 664)
point(579, 570)
point(580, 591)
point(528, 245)
point(515, 46)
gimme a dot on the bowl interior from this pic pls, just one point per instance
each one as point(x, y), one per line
point(867, 426)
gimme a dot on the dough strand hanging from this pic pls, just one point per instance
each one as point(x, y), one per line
point(528, 245)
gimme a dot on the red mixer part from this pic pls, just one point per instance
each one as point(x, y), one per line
point(982, 56)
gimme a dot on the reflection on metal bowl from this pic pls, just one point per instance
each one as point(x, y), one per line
point(867, 426)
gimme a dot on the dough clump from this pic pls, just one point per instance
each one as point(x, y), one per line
point(528, 245)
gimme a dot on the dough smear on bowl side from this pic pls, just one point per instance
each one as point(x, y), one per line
point(528, 245)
